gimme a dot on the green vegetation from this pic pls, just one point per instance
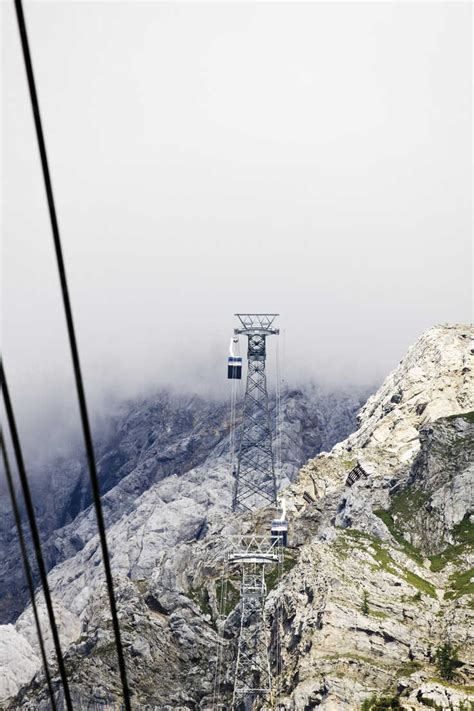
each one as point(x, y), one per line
point(365, 603)
point(383, 557)
point(466, 706)
point(461, 688)
point(358, 535)
point(408, 548)
point(420, 583)
point(432, 704)
point(460, 583)
point(385, 562)
point(384, 702)
point(289, 561)
point(463, 531)
point(408, 502)
point(201, 598)
point(378, 613)
point(447, 661)
point(408, 668)
point(232, 597)
point(468, 416)
point(349, 463)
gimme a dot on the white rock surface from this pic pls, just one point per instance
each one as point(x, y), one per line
point(335, 654)
point(435, 379)
point(18, 661)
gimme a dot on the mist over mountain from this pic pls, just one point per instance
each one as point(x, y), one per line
point(144, 442)
point(311, 159)
point(377, 575)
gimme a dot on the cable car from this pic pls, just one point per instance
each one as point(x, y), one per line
point(279, 532)
point(234, 368)
point(234, 361)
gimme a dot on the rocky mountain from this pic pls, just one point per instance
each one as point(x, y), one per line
point(163, 465)
point(377, 576)
point(179, 442)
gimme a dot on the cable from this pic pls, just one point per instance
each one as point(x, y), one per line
point(26, 565)
point(34, 532)
point(74, 350)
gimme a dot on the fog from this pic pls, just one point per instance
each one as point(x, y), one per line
point(307, 159)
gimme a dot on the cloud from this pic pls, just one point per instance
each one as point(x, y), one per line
point(310, 159)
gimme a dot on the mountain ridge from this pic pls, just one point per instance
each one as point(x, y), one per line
point(348, 544)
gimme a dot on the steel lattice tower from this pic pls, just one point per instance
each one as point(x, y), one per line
point(252, 678)
point(255, 482)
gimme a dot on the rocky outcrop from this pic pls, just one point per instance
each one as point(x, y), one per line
point(434, 380)
point(378, 575)
point(179, 443)
point(18, 661)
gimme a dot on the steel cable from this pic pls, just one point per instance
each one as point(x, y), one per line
point(25, 487)
point(74, 349)
point(26, 565)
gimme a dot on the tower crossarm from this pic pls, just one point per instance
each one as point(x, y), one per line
point(256, 324)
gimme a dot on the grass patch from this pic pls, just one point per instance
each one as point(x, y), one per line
point(460, 583)
point(379, 614)
point(408, 548)
point(462, 688)
point(385, 562)
point(380, 703)
point(358, 535)
point(349, 463)
point(420, 583)
point(463, 531)
point(271, 578)
point(383, 557)
point(468, 416)
point(408, 668)
point(375, 548)
point(232, 597)
point(449, 555)
point(201, 598)
point(408, 502)
point(431, 704)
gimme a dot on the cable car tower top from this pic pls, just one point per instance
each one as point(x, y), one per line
point(255, 482)
point(257, 323)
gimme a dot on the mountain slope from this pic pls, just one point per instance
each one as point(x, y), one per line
point(152, 442)
point(378, 575)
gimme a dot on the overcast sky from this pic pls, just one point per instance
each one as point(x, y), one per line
point(307, 159)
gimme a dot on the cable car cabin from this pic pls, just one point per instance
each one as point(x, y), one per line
point(234, 368)
point(279, 532)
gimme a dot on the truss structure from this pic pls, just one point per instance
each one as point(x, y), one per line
point(252, 677)
point(255, 482)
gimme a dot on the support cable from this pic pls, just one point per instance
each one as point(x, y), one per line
point(74, 350)
point(34, 532)
point(26, 565)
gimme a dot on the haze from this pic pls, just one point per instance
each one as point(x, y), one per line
point(308, 159)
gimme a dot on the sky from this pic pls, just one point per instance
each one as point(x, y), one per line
point(309, 159)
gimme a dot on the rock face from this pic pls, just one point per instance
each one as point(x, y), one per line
point(18, 661)
point(164, 467)
point(382, 600)
point(434, 380)
point(377, 576)
point(178, 443)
